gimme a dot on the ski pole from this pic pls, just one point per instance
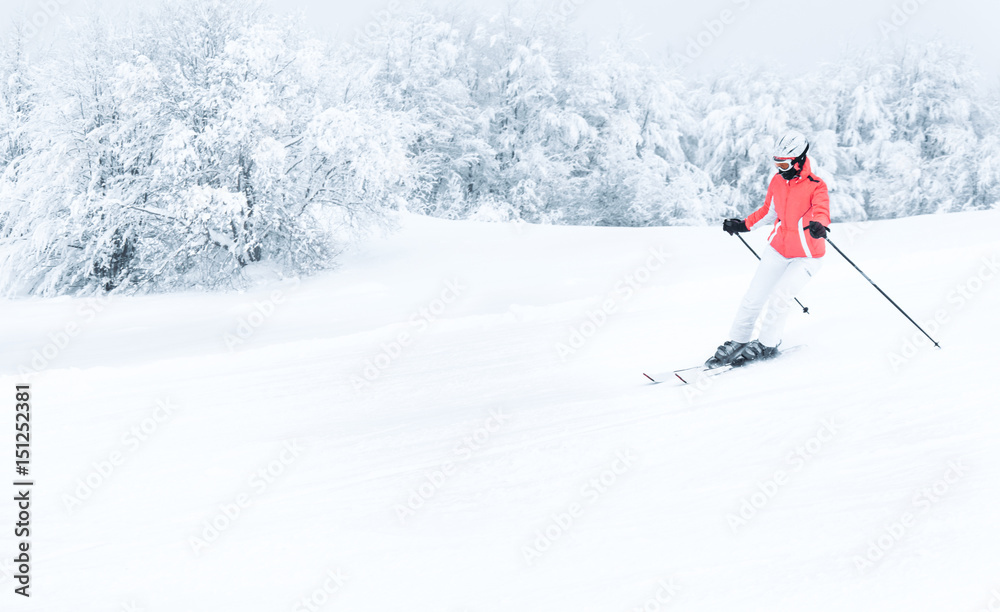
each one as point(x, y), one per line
point(804, 309)
point(830, 242)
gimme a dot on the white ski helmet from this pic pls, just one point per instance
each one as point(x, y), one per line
point(792, 145)
point(790, 154)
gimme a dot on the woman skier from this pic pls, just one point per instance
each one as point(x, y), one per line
point(798, 206)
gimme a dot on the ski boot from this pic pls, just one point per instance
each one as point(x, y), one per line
point(725, 354)
point(753, 351)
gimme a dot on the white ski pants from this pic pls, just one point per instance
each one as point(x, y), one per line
point(774, 285)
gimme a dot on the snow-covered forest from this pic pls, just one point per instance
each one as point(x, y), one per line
point(184, 146)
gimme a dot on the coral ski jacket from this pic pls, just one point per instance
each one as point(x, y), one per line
point(791, 205)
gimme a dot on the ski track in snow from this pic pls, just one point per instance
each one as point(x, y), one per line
point(482, 392)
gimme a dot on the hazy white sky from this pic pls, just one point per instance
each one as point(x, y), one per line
point(794, 34)
point(789, 34)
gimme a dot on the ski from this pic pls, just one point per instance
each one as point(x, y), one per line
point(687, 375)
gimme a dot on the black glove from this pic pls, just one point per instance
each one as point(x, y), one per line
point(816, 229)
point(734, 225)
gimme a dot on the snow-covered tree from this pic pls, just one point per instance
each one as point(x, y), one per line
point(178, 147)
point(175, 151)
point(515, 119)
point(911, 125)
point(639, 170)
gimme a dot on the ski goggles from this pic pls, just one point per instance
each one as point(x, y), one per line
point(784, 163)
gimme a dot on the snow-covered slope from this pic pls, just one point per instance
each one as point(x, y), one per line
point(456, 421)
